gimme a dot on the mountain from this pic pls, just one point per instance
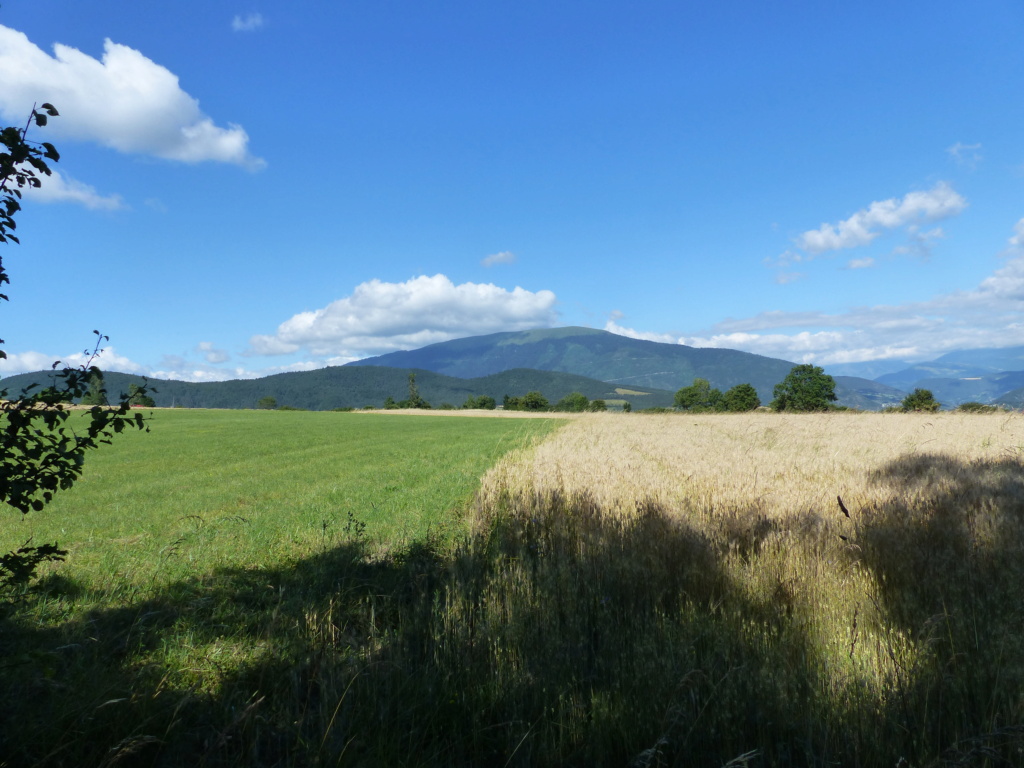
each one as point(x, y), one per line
point(553, 361)
point(866, 395)
point(358, 386)
point(1012, 399)
point(869, 369)
point(595, 354)
point(1001, 359)
point(982, 389)
point(915, 376)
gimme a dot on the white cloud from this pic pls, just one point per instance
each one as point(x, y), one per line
point(211, 354)
point(25, 362)
point(58, 188)
point(247, 23)
point(783, 278)
point(380, 317)
point(124, 101)
point(612, 327)
point(864, 263)
point(968, 155)
point(1017, 240)
point(865, 225)
point(107, 359)
point(504, 257)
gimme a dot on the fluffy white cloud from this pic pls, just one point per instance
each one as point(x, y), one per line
point(380, 317)
point(504, 257)
point(864, 263)
point(108, 358)
point(58, 188)
point(25, 362)
point(247, 23)
point(124, 101)
point(865, 225)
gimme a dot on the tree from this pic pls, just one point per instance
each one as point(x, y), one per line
point(483, 402)
point(267, 403)
point(627, 407)
point(534, 401)
point(139, 399)
point(920, 400)
point(698, 397)
point(414, 401)
point(512, 403)
point(805, 388)
point(97, 394)
point(741, 398)
point(597, 405)
point(40, 451)
point(574, 402)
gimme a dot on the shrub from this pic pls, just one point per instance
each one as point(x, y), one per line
point(920, 400)
point(975, 407)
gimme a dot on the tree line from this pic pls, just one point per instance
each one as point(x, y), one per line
point(806, 389)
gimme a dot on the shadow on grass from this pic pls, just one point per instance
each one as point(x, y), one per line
point(559, 636)
point(948, 561)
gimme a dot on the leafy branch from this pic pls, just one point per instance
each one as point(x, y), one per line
point(41, 451)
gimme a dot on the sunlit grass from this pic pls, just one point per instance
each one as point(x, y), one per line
point(212, 489)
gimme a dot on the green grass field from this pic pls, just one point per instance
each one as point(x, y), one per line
point(209, 489)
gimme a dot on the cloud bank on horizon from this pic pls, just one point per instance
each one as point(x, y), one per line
point(990, 315)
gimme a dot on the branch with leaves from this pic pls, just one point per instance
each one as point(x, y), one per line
point(42, 451)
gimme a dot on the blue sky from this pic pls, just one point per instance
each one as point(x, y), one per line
point(252, 188)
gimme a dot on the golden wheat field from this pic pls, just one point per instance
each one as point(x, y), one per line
point(775, 465)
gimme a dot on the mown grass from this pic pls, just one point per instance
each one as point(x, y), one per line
point(634, 591)
point(208, 489)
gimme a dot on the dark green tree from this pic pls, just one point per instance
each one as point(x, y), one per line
point(42, 453)
point(574, 402)
point(627, 407)
point(267, 403)
point(414, 401)
point(512, 403)
point(741, 398)
point(920, 400)
point(97, 394)
point(139, 399)
point(597, 405)
point(535, 401)
point(483, 402)
point(698, 397)
point(805, 388)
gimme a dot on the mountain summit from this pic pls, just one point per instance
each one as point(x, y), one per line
point(596, 354)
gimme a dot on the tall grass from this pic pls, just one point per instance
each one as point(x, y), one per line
point(635, 591)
